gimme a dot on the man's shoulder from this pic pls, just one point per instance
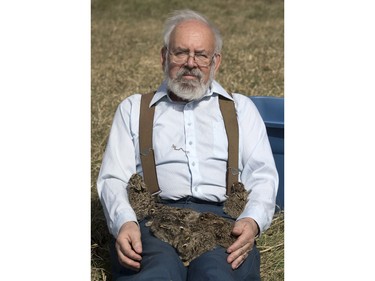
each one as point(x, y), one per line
point(133, 97)
point(242, 100)
point(239, 96)
point(131, 100)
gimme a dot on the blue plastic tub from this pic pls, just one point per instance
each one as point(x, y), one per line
point(272, 111)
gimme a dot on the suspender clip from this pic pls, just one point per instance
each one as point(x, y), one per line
point(233, 171)
point(146, 151)
point(155, 193)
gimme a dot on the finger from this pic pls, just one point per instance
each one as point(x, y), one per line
point(128, 258)
point(126, 250)
point(128, 263)
point(135, 242)
point(243, 250)
point(239, 261)
point(237, 230)
point(238, 244)
point(137, 246)
point(241, 242)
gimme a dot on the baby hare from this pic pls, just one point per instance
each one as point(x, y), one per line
point(191, 233)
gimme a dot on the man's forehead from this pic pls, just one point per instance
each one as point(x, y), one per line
point(192, 32)
point(192, 26)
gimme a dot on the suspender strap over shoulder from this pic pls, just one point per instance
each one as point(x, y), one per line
point(228, 111)
point(146, 119)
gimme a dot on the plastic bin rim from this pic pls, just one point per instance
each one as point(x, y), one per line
point(271, 124)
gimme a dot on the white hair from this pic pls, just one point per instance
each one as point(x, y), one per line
point(184, 15)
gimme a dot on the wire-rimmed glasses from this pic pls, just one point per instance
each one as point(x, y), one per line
point(181, 57)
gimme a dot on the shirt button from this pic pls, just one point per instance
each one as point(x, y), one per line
point(190, 142)
point(193, 164)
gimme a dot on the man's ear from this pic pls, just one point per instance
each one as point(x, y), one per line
point(217, 62)
point(163, 58)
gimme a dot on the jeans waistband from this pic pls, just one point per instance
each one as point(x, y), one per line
point(190, 199)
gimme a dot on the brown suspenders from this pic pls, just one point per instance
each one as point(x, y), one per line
point(146, 118)
point(146, 122)
point(231, 127)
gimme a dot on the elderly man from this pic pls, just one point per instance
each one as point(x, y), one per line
point(191, 152)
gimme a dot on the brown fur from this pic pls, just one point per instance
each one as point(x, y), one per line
point(191, 233)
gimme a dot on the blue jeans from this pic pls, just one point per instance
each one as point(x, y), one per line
point(160, 261)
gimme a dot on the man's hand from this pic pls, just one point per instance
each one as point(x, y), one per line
point(129, 246)
point(246, 229)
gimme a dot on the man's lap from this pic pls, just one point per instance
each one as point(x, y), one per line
point(160, 261)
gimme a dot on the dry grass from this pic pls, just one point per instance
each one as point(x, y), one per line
point(126, 40)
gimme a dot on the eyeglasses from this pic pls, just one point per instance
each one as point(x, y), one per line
point(182, 57)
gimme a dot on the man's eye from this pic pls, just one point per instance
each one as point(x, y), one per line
point(180, 54)
point(201, 56)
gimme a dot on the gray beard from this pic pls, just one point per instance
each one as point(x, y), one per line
point(189, 89)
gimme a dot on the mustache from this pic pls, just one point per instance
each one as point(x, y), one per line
point(193, 72)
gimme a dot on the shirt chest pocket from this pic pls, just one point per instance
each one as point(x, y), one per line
point(220, 140)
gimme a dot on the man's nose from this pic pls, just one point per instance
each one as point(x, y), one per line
point(191, 61)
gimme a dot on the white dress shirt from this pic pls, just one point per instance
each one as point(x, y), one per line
point(191, 150)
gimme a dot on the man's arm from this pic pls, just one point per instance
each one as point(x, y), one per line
point(118, 165)
point(259, 175)
point(258, 170)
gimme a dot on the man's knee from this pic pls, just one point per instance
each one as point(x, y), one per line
point(165, 266)
point(251, 266)
point(213, 266)
point(159, 262)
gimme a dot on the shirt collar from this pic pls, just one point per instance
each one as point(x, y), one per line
point(215, 88)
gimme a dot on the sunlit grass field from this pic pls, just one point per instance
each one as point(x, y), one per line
point(126, 42)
